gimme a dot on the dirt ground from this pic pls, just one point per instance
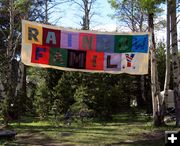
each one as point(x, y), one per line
point(39, 139)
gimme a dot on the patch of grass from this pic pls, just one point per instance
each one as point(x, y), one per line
point(2, 141)
point(125, 129)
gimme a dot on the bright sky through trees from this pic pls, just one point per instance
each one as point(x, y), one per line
point(71, 16)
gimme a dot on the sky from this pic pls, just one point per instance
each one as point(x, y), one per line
point(101, 21)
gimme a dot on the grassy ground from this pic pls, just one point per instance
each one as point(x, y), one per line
point(124, 130)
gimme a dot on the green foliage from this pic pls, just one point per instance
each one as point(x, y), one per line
point(134, 13)
point(109, 93)
point(21, 7)
point(57, 107)
point(42, 102)
point(130, 13)
point(64, 91)
point(13, 107)
point(161, 64)
point(114, 3)
point(80, 97)
point(5, 110)
point(151, 6)
point(9, 62)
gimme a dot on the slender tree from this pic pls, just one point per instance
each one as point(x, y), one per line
point(157, 100)
point(86, 7)
point(11, 77)
point(175, 60)
point(48, 9)
point(167, 75)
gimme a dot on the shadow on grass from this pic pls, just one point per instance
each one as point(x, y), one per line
point(32, 129)
point(159, 142)
point(131, 118)
point(32, 139)
point(155, 138)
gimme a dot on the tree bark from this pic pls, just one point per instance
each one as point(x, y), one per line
point(175, 61)
point(132, 16)
point(86, 15)
point(10, 83)
point(143, 89)
point(167, 75)
point(46, 12)
point(158, 103)
point(2, 93)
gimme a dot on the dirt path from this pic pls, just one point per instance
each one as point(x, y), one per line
point(40, 139)
point(34, 139)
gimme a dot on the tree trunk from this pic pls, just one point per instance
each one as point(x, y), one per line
point(20, 77)
point(11, 29)
point(86, 15)
point(24, 80)
point(175, 61)
point(158, 103)
point(167, 75)
point(143, 89)
point(2, 93)
point(46, 12)
point(10, 74)
point(9, 83)
point(132, 16)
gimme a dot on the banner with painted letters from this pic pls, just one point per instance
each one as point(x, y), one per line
point(89, 51)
